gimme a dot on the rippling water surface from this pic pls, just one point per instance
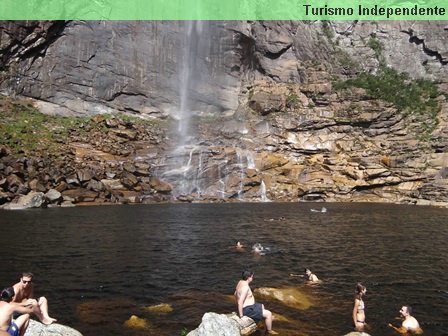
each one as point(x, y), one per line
point(99, 265)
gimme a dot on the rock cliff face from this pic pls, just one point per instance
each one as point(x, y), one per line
point(108, 66)
point(257, 113)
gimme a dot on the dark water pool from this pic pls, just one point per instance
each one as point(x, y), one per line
point(99, 265)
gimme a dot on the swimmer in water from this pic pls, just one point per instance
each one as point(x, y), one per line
point(259, 249)
point(409, 324)
point(308, 275)
point(239, 246)
point(359, 315)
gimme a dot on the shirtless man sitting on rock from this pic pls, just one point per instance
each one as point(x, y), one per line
point(24, 293)
point(248, 307)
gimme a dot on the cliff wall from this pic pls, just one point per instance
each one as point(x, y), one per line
point(271, 113)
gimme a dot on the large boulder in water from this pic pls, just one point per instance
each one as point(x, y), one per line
point(38, 329)
point(357, 333)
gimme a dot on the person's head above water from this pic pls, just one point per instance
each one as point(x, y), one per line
point(360, 290)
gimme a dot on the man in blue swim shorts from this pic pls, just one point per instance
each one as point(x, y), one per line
point(7, 308)
point(246, 303)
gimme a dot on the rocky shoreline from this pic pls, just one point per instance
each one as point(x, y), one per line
point(116, 159)
point(95, 162)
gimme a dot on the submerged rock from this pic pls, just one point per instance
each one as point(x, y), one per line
point(135, 322)
point(291, 296)
point(162, 308)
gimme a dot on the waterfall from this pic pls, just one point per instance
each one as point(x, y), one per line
point(197, 165)
point(242, 170)
point(250, 160)
point(190, 74)
point(184, 166)
point(263, 196)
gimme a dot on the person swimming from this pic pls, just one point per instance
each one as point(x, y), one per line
point(259, 249)
point(323, 209)
point(239, 246)
point(308, 275)
point(409, 324)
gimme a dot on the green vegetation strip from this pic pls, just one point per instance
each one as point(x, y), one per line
point(415, 98)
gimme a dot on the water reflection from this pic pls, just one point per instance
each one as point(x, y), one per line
point(99, 266)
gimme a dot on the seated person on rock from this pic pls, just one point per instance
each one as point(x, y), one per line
point(247, 305)
point(8, 326)
point(24, 291)
point(409, 324)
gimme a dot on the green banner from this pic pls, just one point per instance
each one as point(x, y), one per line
point(223, 10)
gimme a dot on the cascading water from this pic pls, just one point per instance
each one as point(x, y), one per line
point(199, 166)
point(189, 75)
point(263, 196)
point(183, 167)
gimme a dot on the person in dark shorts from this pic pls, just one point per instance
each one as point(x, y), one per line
point(247, 305)
point(18, 326)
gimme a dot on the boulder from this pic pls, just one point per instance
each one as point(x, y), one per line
point(53, 195)
point(357, 333)
point(32, 200)
point(224, 325)
point(38, 329)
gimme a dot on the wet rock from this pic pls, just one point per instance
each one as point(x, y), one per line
point(160, 185)
point(160, 308)
point(135, 322)
point(290, 296)
point(97, 312)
